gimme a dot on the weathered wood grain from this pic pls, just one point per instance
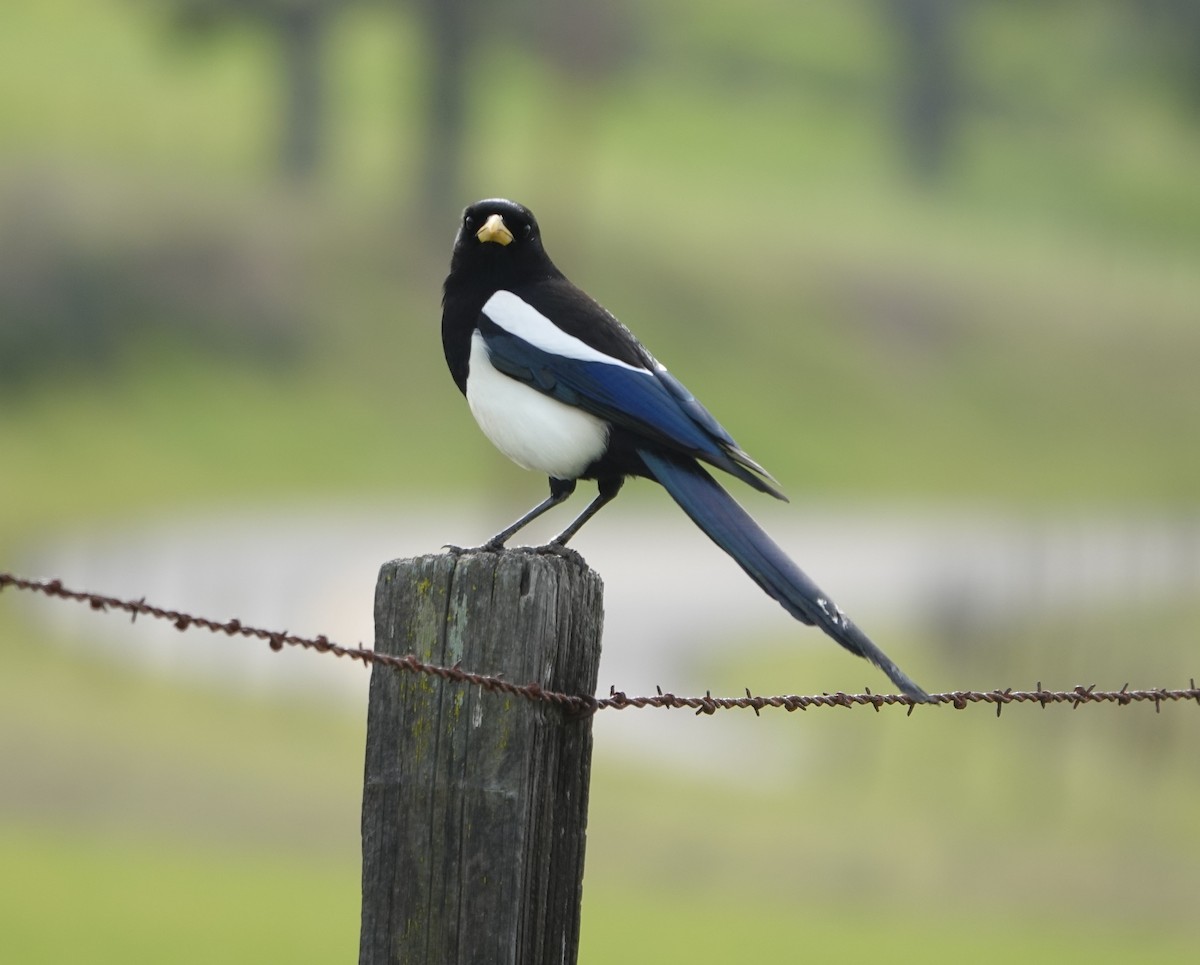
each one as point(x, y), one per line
point(475, 803)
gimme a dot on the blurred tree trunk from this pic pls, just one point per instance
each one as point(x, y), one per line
point(585, 45)
point(927, 98)
point(1173, 30)
point(302, 28)
point(447, 27)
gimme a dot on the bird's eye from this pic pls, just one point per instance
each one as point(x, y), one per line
point(527, 231)
point(468, 222)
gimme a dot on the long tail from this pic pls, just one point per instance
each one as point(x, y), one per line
point(732, 529)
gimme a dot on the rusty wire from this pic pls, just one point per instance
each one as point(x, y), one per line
point(616, 700)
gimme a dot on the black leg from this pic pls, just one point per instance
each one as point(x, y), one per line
point(608, 492)
point(560, 489)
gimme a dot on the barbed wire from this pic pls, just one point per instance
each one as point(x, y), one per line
point(616, 700)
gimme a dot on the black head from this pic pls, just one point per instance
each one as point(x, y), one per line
point(499, 241)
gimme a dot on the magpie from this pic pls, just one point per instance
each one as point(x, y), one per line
point(562, 388)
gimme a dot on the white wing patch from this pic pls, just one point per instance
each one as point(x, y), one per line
point(534, 430)
point(517, 317)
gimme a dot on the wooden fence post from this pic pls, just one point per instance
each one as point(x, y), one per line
point(475, 803)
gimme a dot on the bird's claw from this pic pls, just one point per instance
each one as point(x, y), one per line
point(561, 550)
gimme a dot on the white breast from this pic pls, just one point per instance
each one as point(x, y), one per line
point(535, 431)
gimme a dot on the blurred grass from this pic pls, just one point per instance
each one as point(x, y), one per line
point(152, 821)
point(78, 896)
point(708, 929)
point(1025, 334)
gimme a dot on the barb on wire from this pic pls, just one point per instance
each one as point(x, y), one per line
point(277, 640)
point(616, 700)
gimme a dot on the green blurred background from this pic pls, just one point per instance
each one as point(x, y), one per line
point(927, 260)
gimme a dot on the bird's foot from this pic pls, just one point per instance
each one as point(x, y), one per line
point(561, 550)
